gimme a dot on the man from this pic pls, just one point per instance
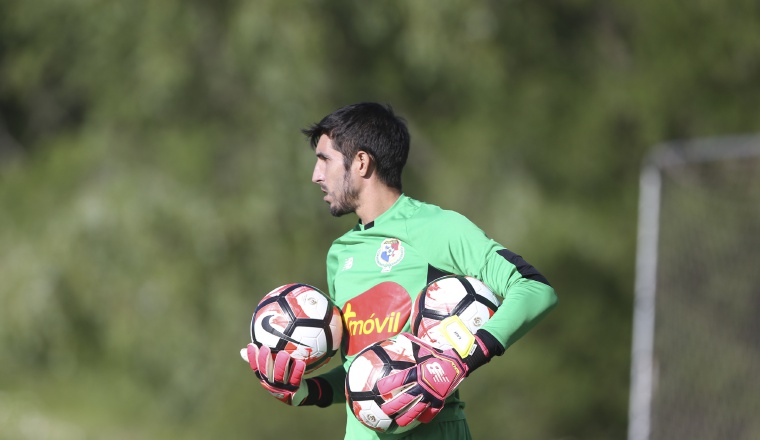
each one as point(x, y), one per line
point(376, 270)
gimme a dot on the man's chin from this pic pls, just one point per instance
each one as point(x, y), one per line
point(339, 211)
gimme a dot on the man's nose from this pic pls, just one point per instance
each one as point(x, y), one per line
point(317, 175)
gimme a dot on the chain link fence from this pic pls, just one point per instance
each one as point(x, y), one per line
point(696, 348)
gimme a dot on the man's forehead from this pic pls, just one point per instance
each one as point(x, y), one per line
point(325, 146)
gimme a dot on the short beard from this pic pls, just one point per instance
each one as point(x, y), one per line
point(346, 203)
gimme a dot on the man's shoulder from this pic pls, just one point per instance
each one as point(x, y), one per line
point(430, 213)
point(341, 240)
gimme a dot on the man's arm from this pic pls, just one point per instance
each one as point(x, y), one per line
point(455, 245)
point(528, 296)
point(332, 388)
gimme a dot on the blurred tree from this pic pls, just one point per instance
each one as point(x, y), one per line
point(161, 188)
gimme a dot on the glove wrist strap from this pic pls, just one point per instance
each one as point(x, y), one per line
point(320, 392)
point(486, 347)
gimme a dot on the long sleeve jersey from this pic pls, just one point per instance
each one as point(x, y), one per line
point(375, 272)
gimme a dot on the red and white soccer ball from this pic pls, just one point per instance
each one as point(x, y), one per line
point(373, 363)
point(466, 297)
point(300, 320)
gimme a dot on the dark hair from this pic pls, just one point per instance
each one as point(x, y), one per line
point(369, 127)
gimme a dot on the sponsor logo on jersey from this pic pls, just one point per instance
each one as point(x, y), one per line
point(391, 253)
point(371, 324)
point(377, 314)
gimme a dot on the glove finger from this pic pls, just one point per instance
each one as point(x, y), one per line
point(297, 369)
point(396, 380)
point(252, 352)
point(264, 362)
point(412, 413)
point(281, 367)
point(428, 414)
point(398, 403)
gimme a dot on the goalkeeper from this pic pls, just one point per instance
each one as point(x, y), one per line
point(376, 270)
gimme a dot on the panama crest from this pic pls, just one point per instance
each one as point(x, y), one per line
point(391, 252)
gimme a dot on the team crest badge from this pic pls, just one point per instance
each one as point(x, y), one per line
point(391, 252)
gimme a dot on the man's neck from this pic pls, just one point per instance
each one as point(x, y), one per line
point(375, 203)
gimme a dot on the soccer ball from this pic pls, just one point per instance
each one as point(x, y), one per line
point(373, 363)
point(466, 297)
point(300, 320)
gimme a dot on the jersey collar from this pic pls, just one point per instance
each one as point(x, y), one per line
point(360, 227)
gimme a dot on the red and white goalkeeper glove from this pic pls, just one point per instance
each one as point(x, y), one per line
point(281, 375)
point(420, 391)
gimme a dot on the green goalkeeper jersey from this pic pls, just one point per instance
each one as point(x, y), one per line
point(375, 272)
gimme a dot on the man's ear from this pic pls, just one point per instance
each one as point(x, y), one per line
point(364, 163)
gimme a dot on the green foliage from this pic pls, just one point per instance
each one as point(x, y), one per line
point(154, 186)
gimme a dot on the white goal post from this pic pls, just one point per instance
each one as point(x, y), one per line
point(688, 190)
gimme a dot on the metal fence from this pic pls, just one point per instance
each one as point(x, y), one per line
point(695, 370)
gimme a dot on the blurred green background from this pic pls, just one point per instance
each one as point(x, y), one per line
point(154, 185)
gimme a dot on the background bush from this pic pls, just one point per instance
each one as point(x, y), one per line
point(154, 186)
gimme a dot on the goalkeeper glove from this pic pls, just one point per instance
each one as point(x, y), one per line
point(280, 375)
point(420, 391)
